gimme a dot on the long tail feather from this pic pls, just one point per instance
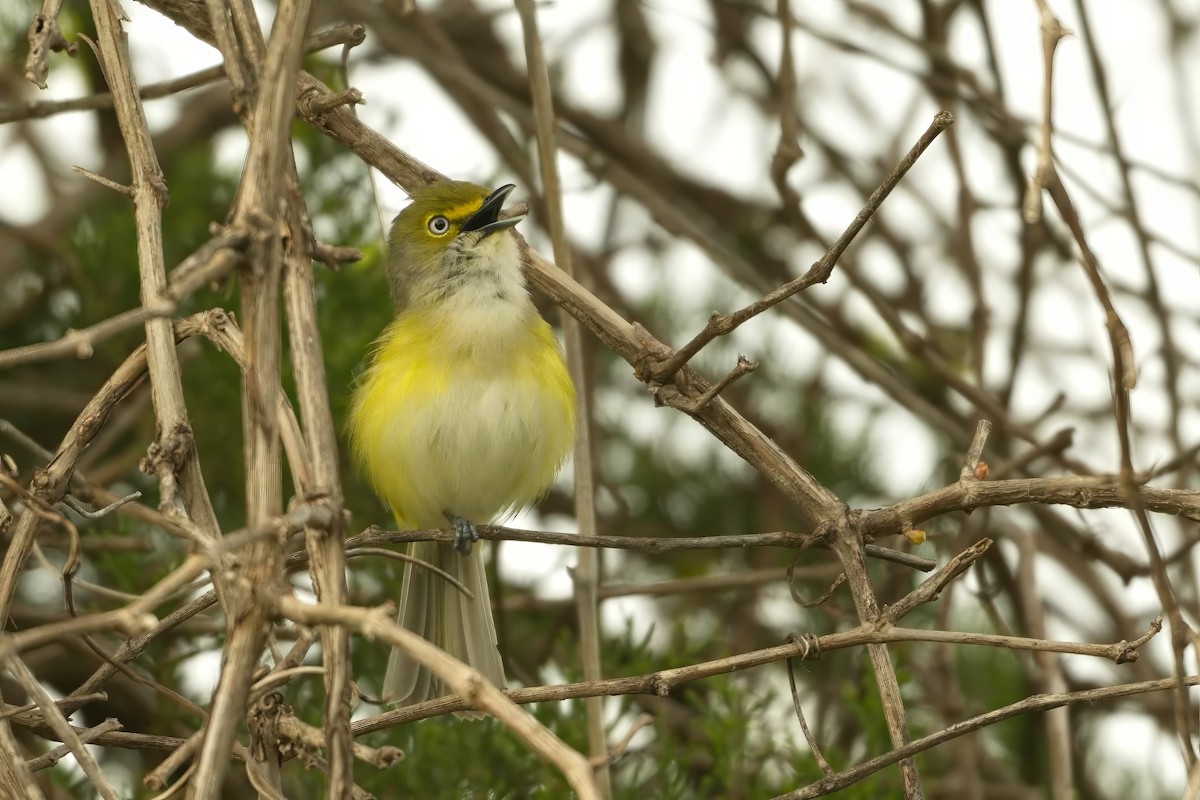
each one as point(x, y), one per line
point(432, 607)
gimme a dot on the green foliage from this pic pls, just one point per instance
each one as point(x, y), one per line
point(991, 678)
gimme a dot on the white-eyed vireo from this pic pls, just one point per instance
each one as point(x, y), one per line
point(466, 412)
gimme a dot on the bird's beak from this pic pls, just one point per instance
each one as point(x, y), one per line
point(486, 219)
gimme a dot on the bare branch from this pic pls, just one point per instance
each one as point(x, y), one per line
point(52, 757)
point(58, 723)
point(587, 570)
point(724, 324)
point(377, 623)
point(644, 544)
point(1036, 703)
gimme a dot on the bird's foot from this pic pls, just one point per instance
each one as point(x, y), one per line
point(465, 534)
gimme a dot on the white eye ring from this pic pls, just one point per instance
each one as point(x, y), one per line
point(439, 225)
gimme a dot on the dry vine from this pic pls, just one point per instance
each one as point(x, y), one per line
point(269, 243)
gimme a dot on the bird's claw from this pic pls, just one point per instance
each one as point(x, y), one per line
point(465, 534)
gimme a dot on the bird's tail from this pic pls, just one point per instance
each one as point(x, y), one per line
point(434, 608)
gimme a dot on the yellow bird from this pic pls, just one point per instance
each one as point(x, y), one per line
point(465, 414)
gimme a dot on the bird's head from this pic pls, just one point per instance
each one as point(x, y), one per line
point(445, 235)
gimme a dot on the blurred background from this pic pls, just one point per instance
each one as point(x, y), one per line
point(700, 171)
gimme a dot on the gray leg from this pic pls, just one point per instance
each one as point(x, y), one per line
point(465, 534)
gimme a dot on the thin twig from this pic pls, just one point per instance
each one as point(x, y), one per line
point(975, 451)
point(156, 779)
point(348, 33)
point(743, 367)
point(323, 543)
point(618, 749)
point(587, 571)
point(52, 757)
point(68, 705)
point(808, 737)
point(661, 682)
point(1077, 492)
point(264, 75)
point(99, 513)
point(406, 558)
point(379, 624)
point(1036, 703)
point(58, 723)
point(373, 536)
point(1124, 379)
point(819, 272)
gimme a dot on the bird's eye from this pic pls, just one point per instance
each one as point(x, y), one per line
point(438, 225)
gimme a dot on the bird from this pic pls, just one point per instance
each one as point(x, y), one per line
point(464, 414)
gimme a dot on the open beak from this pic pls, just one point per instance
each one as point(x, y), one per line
point(486, 219)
